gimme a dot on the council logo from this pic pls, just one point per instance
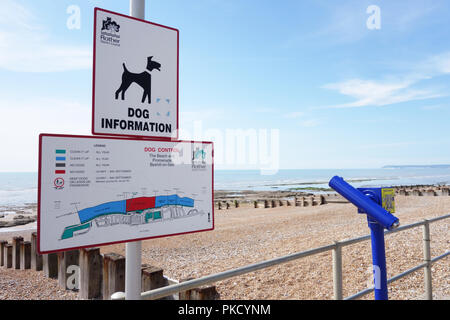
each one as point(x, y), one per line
point(110, 32)
point(198, 159)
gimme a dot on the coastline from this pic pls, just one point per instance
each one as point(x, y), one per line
point(23, 217)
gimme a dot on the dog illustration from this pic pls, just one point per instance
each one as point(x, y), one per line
point(144, 80)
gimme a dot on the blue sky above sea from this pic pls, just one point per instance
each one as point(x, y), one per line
point(340, 94)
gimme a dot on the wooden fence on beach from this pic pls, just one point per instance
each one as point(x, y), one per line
point(321, 199)
point(92, 274)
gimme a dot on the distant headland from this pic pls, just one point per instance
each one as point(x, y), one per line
point(434, 166)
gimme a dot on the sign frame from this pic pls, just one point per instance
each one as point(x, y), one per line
point(120, 241)
point(176, 135)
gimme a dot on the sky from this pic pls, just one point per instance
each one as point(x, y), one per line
point(312, 84)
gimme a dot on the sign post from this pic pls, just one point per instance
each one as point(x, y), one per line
point(133, 250)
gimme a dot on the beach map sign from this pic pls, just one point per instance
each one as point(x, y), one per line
point(135, 77)
point(102, 190)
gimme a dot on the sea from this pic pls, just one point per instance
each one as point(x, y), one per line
point(20, 188)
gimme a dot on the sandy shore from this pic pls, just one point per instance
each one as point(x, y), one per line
point(246, 235)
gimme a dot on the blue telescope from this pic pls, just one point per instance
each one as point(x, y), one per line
point(369, 201)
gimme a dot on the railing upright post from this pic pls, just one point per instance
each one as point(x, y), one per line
point(337, 271)
point(427, 259)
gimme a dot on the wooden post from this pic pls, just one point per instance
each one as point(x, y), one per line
point(201, 293)
point(3, 244)
point(113, 274)
point(50, 265)
point(65, 260)
point(16, 252)
point(152, 278)
point(36, 258)
point(91, 274)
point(322, 200)
point(8, 255)
point(25, 255)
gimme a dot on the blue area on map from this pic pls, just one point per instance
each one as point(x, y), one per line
point(173, 200)
point(102, 209)
point(120, 207)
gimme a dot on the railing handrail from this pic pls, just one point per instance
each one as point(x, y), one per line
point(194, 283)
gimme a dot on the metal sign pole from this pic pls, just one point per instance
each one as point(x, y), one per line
point(133, 250)
point(137, 9)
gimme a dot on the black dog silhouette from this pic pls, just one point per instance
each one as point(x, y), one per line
point(143, 79)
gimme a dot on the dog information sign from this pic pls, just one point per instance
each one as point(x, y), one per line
point(135, 77)
point(92, 192)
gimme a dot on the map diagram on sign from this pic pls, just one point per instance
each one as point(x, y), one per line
point(96, 191)
point(133, 212)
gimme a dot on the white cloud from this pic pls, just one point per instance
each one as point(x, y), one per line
point(14, 14)
point(381, 93)
point(265, 110)
point(382, 146)
point(25, 44)
point(310, 123)
point(293, 115)
point(434, 107)
point(438, 64)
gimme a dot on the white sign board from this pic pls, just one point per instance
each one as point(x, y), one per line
point(135, 77)
point(96, 190)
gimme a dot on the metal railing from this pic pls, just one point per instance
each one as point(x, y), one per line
point(337, 267)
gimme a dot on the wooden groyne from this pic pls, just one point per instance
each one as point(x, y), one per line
point(92, 274)
point(309, 200)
